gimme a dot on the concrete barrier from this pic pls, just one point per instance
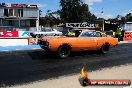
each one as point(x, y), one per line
point(13, 41)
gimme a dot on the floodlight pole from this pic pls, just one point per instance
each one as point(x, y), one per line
point(37, 21)
point(102, 13)
point(103, 25)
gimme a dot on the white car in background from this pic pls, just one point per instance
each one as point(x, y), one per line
point(46, 31)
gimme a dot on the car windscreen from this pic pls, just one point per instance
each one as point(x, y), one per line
point(47, 29)
point(73, 33)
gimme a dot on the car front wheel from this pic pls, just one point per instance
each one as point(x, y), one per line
point(64, 51)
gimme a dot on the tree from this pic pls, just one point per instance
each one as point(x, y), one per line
point(74, 11)
point(50, 19)
point(128, 17)
point(119, 17)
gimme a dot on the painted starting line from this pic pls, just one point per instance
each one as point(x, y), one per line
point(122, 42)
point(34, 47)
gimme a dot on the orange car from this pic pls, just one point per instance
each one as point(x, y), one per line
point(81, 41)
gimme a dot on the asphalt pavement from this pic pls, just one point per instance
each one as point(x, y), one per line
point(27, 66)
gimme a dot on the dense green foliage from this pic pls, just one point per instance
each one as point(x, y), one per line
point(75, 11)
point(71, 11)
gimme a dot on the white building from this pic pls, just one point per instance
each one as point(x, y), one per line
point(21, 17)
point(127, 26)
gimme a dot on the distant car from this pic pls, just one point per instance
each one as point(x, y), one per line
point(110, 33)
point(81, 41)
point(47, 31)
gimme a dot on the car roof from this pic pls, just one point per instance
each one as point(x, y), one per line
point(83, 30)
point(88, 31)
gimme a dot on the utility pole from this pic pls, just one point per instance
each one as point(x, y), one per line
point(37, 21)
point(102, 13)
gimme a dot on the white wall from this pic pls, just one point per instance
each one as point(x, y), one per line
point(13, 42)
point(128, 27)
point(1, 12)
point(30, 12)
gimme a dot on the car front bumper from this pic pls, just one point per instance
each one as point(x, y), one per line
point(44, 45)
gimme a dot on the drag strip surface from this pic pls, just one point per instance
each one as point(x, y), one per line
point(19, 67)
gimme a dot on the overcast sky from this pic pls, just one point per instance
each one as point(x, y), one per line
point(111, 8)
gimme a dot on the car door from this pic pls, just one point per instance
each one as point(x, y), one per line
point(88, 40)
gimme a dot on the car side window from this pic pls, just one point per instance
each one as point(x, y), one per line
point(88, 34)
point(98, 34)
point(47, 29)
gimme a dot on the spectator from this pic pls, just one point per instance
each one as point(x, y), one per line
point(118, 33)
point(122, 35)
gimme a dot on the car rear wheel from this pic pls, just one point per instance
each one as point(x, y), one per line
point(64, 51)
point(105, 48)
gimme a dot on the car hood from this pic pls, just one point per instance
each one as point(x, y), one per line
point(51, 37)
point(46, 32)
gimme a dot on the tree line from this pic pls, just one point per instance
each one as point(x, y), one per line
point(73, 11)
point(126, 18)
